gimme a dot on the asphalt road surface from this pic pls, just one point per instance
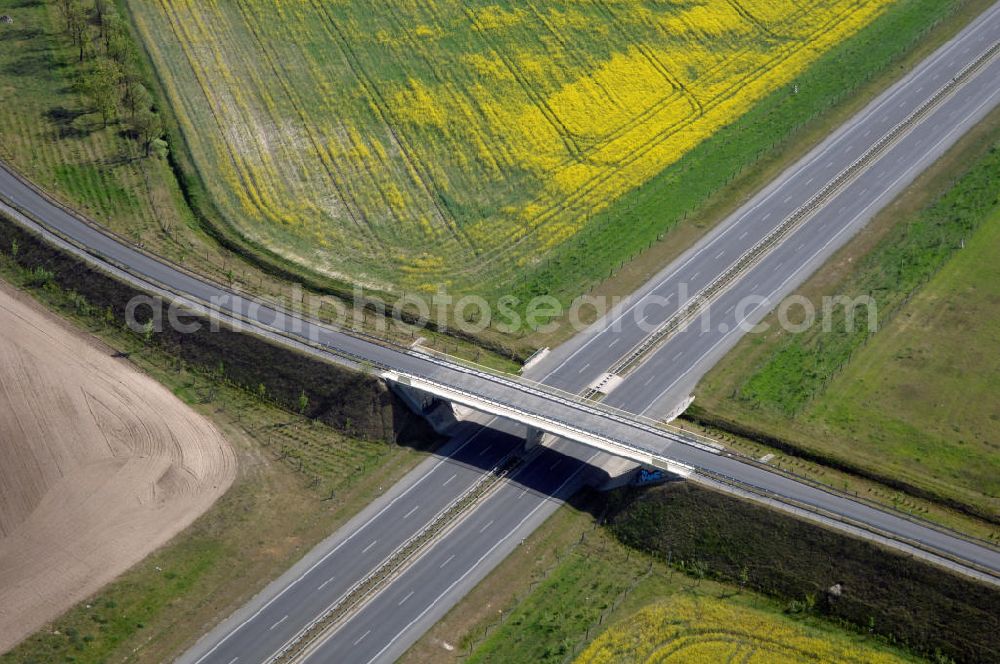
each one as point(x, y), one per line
point(413, 601)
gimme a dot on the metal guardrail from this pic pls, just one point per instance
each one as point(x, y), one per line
point(582, 399)
point(513, 381)
point(516, 383)
point(627, 447)
point(659, 458)
point(443, 360)
point(576, 401)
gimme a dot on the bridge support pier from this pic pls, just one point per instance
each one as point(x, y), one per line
point(418, 401)
point(439, 414)
point(533, 438)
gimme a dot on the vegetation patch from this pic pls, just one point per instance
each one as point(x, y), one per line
point(708, 629)
point(468, 175)
point(84, 122)
point(933, 374)
point(591, 594)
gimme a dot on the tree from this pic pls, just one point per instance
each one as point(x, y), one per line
point(103, 10)
point(303, 402)
point(101, 86)
point(136, 95)
point(160, 148)
point(66, 8)
point(147, 127)
point(118, 42)
point(76, 23)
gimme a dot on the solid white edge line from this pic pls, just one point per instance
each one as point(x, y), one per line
point(854, 219)
point(332, 551)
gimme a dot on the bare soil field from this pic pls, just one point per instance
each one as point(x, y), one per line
point(99, 466)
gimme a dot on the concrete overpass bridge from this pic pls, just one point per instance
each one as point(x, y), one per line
point(416, 390)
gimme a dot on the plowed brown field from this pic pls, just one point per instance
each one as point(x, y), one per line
point(99, 465)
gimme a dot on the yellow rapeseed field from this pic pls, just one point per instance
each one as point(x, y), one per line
point(412, 143)
point(693, 630)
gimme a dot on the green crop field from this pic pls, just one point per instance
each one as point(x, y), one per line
point(56, 136)
point(52, 133)
point(705, 630)
point(923, 398)
point(418, 144)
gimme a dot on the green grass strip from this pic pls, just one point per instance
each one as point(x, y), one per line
point(903, 261)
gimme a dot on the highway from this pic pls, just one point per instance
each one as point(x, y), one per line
point(605, 342)
point(383, 628)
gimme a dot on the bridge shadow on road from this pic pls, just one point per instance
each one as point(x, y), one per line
point(559, 470)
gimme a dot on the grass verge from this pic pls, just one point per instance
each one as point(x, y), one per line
point(898, 407)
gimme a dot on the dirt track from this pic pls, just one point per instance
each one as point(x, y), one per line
point(99, 465)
